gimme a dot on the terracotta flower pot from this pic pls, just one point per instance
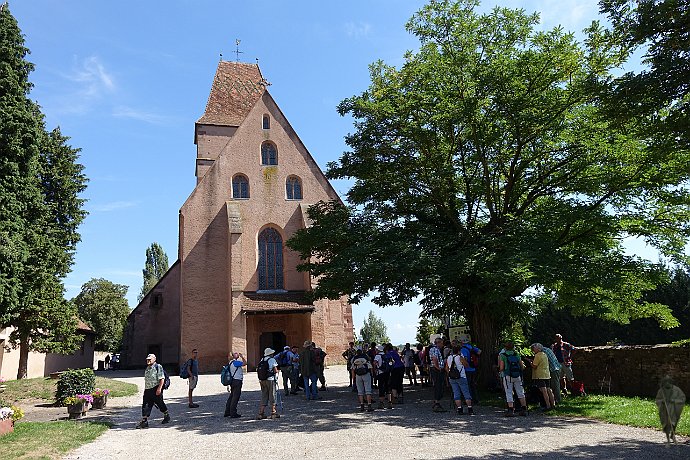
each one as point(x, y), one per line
point(6, 426)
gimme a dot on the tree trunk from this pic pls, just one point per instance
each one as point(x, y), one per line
point(485, 336)
point(22, 370)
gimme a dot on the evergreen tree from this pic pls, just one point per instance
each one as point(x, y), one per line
point(40, 211)
point(156, 266)
point(102, 304)
point(374, 330)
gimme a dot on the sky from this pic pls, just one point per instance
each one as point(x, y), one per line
point(127, 80)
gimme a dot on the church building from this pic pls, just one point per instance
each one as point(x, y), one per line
point(235, 284)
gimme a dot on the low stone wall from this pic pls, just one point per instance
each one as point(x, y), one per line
point(633, 370)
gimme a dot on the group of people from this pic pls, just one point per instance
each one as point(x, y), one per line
point(444, 364)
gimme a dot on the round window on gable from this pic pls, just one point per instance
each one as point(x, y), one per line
point(266, 122)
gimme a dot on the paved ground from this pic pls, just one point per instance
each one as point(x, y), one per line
point(333, 428)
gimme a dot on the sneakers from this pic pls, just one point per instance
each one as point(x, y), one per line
point(193, 406)
point(369, 408)
point(143, 424)
point(166, 419)
point(275, 415)
point(261, 417)
point(459, 410)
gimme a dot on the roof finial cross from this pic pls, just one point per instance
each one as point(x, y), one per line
point(237, 50)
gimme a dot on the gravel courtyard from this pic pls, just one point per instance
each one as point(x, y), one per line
point(333, 428)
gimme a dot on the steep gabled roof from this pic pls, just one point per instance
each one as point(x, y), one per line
point(236, 88)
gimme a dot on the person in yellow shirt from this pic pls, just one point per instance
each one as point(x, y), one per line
point(541, 376)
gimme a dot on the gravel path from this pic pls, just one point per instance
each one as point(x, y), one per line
point(333, 428)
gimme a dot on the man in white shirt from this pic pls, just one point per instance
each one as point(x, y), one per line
point(268, 368)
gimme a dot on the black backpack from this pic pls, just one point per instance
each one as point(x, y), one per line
point(166, 378)
point(453, 372)
point(262, 370)
point(386, 364)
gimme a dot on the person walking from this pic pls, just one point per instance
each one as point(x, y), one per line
point(193, 372)
point(455, 370)
point(362, 371)
point(154, 378)
point(437, 373)
point(510, 368)
point(267, 371)
point(236, 362)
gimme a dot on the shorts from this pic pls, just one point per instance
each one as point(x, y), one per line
point(567, 371)
point(268, 392)
point(541, 383)
point(192, 381)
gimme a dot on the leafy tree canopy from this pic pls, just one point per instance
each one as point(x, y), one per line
point(102, 304)
point(374, 330)
point(485, 168)
point(156, 266)
point(427, 327)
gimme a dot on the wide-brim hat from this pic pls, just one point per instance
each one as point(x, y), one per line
point(286, 347)
point(268, 351)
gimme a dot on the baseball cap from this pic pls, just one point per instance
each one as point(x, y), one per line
point(151, 356)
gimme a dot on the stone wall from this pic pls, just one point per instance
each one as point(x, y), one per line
point(631, 370)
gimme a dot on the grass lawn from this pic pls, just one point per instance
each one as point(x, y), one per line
point(51, 440)
point(621, 410)
point(44, 388)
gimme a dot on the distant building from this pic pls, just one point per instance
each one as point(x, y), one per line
point(235, 285)
point(43, 364)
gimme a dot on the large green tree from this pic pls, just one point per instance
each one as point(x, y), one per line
point(40, 211)
point(103, 305)
point(484, 168)
point(374, 330)
point(155, 267)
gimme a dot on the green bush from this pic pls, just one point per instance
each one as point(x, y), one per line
point(73, 382)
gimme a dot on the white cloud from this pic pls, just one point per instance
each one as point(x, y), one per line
point(140, 115)
point(357, 30)
point(87, 83)
point(114, 205)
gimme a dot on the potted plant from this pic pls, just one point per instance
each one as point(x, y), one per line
point(100, 398)
point(77, 405)
point(9, 415)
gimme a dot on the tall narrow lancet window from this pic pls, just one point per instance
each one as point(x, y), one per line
point(270, 260)
point(266, 122)
point(240, 187)
point(293, 188)
point(269, 154)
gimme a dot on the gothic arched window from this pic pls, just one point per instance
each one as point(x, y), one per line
point(270, 260)
point(293, 188)
point(240, 186)
point(266, 122)
point(269, 154)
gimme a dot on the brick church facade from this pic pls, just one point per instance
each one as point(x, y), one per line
point(235, 285)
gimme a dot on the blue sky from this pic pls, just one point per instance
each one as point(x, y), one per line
point(127, 80)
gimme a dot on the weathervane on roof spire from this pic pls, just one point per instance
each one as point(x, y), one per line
point(237, 50)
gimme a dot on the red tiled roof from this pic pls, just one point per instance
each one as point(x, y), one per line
point(236, 88)
point(254, 303)
point(82, 326)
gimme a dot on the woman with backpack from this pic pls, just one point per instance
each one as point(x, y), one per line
point(455, 369)
point(397, 374)
point(361, 370)
point(383, 367)
point(510, 367)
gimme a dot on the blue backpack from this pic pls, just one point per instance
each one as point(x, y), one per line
point(513, 368)
point(225, 375)
point(184, 370)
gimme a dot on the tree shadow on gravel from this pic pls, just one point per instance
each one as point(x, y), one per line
point(614, 449)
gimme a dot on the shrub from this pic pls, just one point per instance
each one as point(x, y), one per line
point(73, 382)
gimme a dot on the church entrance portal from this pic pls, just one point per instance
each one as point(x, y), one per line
point(275, 340)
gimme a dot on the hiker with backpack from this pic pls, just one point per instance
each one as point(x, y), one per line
point(190, 371)
point(154, 383)
point(540, 375)
point(397, 374)
point(319, 358)
point(471, 354)
point(410, 359)
point(267, 370)
point(362, 370)
point(436, 371)
point(348, 355)
point(383, 365)
point(455, 369)
point(510, 368)
point(233, 380)
point(555, 373)
point(285, 364)
point(308, 371)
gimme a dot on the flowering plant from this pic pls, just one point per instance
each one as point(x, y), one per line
point(18, 413)
point(99, 393)
point(2, 379)
point(68, 401)
point(5, 413)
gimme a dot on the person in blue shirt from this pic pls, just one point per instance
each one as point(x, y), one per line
point(193, 371)
point(467, 350)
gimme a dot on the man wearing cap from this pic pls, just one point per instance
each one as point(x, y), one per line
point(154, 377)
point(308, 371)
point(285, 364)
point(269, 386)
